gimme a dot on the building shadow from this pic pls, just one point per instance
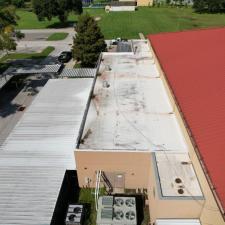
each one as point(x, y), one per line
point(20, 83)
point(69, 193)
point(8, 93)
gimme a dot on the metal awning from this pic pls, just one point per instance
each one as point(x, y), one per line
point(79, 73)
point(33, 69)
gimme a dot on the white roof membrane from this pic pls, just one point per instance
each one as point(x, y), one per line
point(131, 109)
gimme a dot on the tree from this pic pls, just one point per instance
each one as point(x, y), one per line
point(88, 42)
point(168, 2)
point(7, 22)
point(210, 6)
point(17, 3)
point(60, 8)
point(4, 3)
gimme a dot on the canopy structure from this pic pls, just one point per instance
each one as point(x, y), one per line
point(39, 150)
point(33, 69)
point(78, 73)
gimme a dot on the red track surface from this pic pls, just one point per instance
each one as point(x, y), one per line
point(194, 63)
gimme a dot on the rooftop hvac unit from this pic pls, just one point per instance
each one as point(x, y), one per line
point(107, 201)
point(124, 211)
point(75, 214)
point(117, 211)
point(106, 216)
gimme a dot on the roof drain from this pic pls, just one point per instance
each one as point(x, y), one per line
point(178, 180)
point(180, 191)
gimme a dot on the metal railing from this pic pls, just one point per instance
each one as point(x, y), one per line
point(107, 182)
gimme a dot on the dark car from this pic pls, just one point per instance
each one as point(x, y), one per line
point(65, 57)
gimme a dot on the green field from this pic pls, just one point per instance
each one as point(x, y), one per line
point(14, 56)
point(57, 36)
point(128, 24)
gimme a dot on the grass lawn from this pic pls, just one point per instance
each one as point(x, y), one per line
point(41, 55)
point(57, 36)
point(128, 24)
point(146, 216)
point(77, 65)
point(87, 196)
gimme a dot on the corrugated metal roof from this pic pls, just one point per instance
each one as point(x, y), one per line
point(33, 69)
point(34, 157)
point(194, 64)
point(79, 73)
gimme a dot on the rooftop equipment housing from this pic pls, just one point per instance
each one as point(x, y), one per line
point(117, 211)
point(75, 214)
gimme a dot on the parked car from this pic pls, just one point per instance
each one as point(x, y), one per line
point(65, 57)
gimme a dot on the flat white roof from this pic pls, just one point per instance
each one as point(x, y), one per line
point(39, 150)
point(178, 222)
point(176, 173)
point(131, 109)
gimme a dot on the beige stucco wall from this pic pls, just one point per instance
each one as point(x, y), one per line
point(139, 173)
point(136, 166)
point(210, 212)
point(144, 2)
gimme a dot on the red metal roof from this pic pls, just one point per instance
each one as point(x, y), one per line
point(194, 63)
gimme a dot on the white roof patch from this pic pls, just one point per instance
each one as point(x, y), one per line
point(176, 174)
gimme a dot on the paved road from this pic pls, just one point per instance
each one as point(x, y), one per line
point(36, 44)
